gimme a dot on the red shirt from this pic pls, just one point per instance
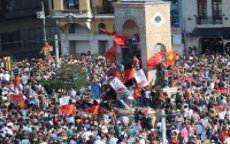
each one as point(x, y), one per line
point(224, 135)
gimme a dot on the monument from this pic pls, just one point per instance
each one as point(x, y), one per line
point(150, 20)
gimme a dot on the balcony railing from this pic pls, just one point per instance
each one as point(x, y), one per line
point(209, 20)
point(103, 10)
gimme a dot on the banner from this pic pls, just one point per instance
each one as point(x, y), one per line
point(141, 78)
point(64, 100)
point(95, 90)
point(119, 87)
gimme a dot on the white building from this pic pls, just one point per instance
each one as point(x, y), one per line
point(207, 25)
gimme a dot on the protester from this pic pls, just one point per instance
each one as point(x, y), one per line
point(198, 113)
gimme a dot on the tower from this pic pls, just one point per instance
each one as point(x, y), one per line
point(150, 19)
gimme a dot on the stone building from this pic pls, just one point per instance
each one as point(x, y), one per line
point(79, 22)
point(150, 20)
point(207, 25)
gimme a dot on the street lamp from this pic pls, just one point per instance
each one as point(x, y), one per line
point(41, 15)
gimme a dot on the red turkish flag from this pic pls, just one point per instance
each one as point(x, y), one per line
point(128, 74)
point(171, 58)
point(120, 39)
point(93, 109)
point(107, 32)
point(137, 92)
point(68, 109)
point(155, 59)
point(111, 54)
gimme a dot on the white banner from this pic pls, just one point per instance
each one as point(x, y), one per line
point(64, 100)
point(141, 78)
point(119, 87)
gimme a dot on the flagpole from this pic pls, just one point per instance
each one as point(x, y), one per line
point(163, 126)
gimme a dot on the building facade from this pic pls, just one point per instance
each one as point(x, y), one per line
point(177, 25)
point(79, 22)
point(207, 25)
point(21, 33)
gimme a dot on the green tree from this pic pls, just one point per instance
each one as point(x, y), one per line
point(67, 77)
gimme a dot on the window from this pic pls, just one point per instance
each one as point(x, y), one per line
point(202, 9)
point(217, 9)
point(71, 4)
point(72, 28)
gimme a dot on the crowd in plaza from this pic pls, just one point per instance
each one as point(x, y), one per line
point(197, 113)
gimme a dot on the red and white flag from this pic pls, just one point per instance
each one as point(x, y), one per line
point(141, 78)
point(119, 87)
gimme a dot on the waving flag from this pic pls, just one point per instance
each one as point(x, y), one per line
point(119, 87)
point(120, 39)
point(171, 58)
point(95, 90)
point(141, 78)
point(155, 59)
point(110, 55)
point(128, 74)
point(93, 109)
point(18, 99)
point(137, 92)
point(67, 109)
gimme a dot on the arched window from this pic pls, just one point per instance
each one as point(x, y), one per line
point(72, 28)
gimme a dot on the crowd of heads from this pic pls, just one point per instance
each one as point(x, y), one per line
point(198, 112)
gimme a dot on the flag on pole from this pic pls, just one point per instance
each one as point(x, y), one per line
point(136, 62)
point(120, 39)
point(67, 109)
point(171, 58)
point(107, 32)
point(137, 92)
point(128, 74)
point(110, 55)
point(141, 78)
point(119, 87)
point(95, 90)
point(155, 59)
point(93, 109)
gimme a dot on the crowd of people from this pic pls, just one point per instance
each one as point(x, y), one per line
point(197, 113)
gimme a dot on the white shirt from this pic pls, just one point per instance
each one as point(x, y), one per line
point(1, 76)
point(6, 77)
point(113, 140)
